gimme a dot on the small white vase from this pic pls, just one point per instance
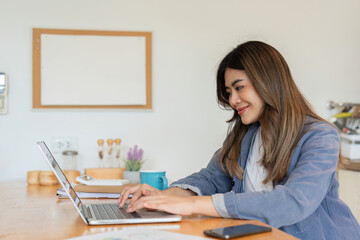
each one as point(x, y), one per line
point(132, 176)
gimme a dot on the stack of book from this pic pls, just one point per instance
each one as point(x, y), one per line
point(88, 191)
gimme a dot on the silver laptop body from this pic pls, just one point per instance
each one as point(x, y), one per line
point(105, 213)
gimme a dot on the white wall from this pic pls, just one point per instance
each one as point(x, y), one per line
point(320, 40)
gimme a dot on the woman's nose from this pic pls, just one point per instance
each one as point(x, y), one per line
point(234, 99)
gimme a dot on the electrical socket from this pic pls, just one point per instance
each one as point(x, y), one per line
point(61, 144)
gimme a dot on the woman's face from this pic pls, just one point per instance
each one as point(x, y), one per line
point(242, 96)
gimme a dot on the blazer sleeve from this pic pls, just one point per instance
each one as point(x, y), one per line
point(207, 181)
point(315, 157)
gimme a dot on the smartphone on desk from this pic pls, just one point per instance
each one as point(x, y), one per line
point(236, 231)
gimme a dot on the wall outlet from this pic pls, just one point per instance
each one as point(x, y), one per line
point(61, 144)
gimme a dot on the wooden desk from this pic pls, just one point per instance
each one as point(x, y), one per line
point(34, 212)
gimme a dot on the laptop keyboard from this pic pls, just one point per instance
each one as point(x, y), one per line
point(112, 211)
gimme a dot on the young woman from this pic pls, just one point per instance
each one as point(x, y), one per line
point(277, 164)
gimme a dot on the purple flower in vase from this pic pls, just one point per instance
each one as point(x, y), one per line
point(141, 152)
point(129, 154)
point(134, 159)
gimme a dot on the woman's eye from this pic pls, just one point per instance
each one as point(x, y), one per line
point(227, 94)
point(238, 88)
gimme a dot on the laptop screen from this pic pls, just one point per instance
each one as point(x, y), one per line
point(60, 175)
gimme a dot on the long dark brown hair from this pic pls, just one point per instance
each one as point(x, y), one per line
point(282, 118)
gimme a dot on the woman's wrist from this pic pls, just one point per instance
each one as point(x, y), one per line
point(203, 205)
point(179, 192)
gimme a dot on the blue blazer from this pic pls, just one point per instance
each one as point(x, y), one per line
point(304, 204)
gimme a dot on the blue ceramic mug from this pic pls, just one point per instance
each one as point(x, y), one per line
point(155, 179)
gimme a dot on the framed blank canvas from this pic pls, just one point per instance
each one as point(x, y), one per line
point(91, 69)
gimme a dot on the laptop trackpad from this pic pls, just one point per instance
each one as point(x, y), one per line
point(153, 213)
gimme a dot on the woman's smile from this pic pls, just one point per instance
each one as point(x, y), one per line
point(241, 110)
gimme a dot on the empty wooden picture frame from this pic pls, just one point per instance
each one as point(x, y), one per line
point(91, 69)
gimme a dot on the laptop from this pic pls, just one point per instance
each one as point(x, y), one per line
point(103, 213)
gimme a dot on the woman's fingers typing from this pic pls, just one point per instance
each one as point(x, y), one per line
point(124, 195)
point(144, 190)
point(137, 191)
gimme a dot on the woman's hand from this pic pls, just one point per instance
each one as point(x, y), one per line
point(137, 191)
point(140, 190)
point(182, 205)
point(173, 200)
point(168, 203)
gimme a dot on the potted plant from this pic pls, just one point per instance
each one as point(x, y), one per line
point(133, 163)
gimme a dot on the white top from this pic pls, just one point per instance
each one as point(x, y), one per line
point(254, 172)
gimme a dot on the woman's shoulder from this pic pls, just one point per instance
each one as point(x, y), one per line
point(314, 123)
point(316, 127)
